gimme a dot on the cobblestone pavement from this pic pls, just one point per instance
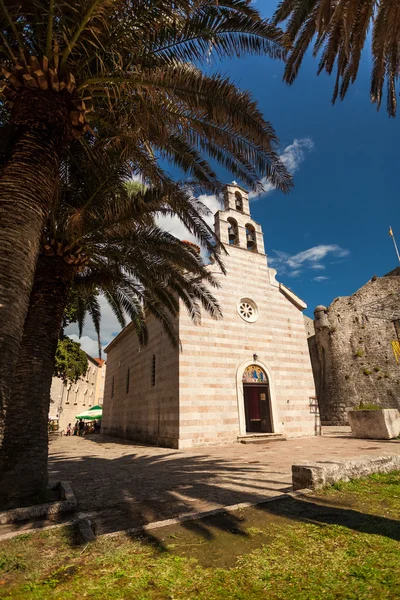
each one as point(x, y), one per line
point(126, 484)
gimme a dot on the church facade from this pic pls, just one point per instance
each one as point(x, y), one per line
point(247, 375)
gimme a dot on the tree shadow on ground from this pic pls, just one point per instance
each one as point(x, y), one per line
point(311, 510)
point(133, 490)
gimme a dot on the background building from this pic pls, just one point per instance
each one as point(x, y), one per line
point(355, 351)
point(248, 374)
point(68, 400)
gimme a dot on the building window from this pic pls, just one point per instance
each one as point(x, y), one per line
point(233, 237)
point(112, 387)
point(251, 239)
point(248, 310)
point(128, 376)
point(153, 371)
point(238, 201)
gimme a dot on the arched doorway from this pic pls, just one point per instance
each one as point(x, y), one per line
point(257, 401)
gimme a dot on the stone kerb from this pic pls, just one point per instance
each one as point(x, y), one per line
point(316, 475)
point(67, 503)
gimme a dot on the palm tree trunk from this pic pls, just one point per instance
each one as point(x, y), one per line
point(24, 453)
point(28, 181)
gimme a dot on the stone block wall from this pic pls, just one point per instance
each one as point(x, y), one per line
point(352, 353)
point(214, 355)
point(146, 409)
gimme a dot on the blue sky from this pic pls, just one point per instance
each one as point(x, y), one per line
point(346, 188)
point(345, 194)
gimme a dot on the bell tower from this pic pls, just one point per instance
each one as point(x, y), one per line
point(234, 225)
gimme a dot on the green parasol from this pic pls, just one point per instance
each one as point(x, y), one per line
point(93, 414)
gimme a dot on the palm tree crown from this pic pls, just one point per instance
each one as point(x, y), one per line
point(102, 225)
point(340, 31)
point(140, 62)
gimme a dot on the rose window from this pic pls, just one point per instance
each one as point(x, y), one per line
point(247, 309)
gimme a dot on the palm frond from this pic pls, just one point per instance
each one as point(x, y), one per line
point(130, 62)
point(338, 32)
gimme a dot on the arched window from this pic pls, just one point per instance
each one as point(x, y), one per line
point(251, 240)
point(153, 371)
point(233, 232)
point(238, 201)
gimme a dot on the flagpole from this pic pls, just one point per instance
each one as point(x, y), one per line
point(394, 242)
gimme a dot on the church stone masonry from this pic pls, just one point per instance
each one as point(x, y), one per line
point(248, 374)
point(355, 351)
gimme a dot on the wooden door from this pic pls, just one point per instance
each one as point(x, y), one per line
point(257, 409)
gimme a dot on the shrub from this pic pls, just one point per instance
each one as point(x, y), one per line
point(367, 406)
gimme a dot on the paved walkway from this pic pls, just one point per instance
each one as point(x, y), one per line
point(127, 485)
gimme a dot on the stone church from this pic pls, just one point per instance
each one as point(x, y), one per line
point(246, 376)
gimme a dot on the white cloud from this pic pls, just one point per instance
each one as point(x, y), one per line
point(320, 278)
point(88, 344)
point(292, 157)
point(293, 265)
point(314, 255)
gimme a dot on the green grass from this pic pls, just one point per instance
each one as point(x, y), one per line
point(340, 543)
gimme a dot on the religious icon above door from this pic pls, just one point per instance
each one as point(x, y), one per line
point(254, 374)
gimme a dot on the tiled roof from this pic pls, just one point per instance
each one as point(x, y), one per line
point(100, 361)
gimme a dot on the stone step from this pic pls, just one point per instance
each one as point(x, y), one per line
point(261, 438)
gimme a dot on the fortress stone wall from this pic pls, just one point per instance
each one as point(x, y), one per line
point(354, 351)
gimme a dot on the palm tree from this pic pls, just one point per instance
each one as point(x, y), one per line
point(99, 238)
point(134, 69)
point(340, 30)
